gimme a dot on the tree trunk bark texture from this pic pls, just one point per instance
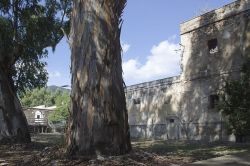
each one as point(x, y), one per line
point(98, 116)
point(13, 123)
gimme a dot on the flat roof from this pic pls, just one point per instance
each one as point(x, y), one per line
point(154, 83)
point(215, 15)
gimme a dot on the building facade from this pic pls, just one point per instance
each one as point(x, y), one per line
point(38, 118)
point(214, 46)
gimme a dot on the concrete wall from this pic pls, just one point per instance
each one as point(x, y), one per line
point(180, 107)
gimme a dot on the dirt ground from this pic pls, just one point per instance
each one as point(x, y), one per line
point(47, 149)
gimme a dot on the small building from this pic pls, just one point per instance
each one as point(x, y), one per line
point(37, 118)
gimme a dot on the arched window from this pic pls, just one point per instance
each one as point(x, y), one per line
point(38, 115)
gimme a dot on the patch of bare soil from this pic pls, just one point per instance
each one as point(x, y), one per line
point(46, 150)
point(38, 155)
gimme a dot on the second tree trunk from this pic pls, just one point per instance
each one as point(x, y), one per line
point(13, 124)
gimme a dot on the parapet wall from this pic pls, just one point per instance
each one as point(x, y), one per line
point(213, 16)
point(155, 83)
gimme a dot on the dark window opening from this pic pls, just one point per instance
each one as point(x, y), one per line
point(168, 100)
point(38, 116)
point(213, 101)
point(129, 95)
point(212, 46)
point(136, 101)
point(151, 93)
point(171, 120)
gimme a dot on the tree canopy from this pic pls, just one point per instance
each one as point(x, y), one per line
point(43, 96)
point(62, 102)
point(235, 103)
point(38, 97)
point(28, 27)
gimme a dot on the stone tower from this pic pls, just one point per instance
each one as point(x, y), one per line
point(214, 47)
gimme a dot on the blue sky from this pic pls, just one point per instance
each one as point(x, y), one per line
point(150, 36)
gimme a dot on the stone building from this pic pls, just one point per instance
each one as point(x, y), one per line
point(37, 118)
point(214, 46)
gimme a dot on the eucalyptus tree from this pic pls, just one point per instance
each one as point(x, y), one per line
point(27, 28)
point(98, 120)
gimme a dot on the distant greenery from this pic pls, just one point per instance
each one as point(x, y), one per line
point(235, 104)
point(62, 101)
point(38, 97)
point(43, 96)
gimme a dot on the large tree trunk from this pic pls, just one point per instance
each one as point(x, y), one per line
point(13, 124)
point(98, 116)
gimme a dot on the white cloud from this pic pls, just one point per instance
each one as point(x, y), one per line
point(172, 38)
point(54, 74)
point(125, 47)
point(164, 61)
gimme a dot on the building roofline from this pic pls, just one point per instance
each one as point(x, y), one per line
point(215, 15)
point(168, 80)
point(212, 10)
point(45, 109)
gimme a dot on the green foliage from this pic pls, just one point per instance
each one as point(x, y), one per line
point(38, 97)
point(30, 74)
point(235, 103)
point(48, 98)
point(62, 102)
point(27, 29)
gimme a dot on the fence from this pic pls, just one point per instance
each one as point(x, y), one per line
point(38, 121)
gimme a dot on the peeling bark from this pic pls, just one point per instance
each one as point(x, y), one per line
point(98, 115)
point(13, 123)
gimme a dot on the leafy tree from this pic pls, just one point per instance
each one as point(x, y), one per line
point(38, 97)
point(62, 101)
point(48, 98)
point(29, 74)
point(235, 104)
point(28, 27)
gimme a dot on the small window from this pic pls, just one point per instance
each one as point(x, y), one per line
point(213, 101)
point(151, 93)
point(212, 46)
point(168, 100)
point(137, 101)
point(171, 120)
point(38, 116)
point(129, 95)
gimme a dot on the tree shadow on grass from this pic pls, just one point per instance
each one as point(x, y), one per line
point(195, 150)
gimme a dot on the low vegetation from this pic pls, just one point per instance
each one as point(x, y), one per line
point(235, 104)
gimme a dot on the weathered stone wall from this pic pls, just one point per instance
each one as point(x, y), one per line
point(230, 27)
point(214, 47)
point(149, 105)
